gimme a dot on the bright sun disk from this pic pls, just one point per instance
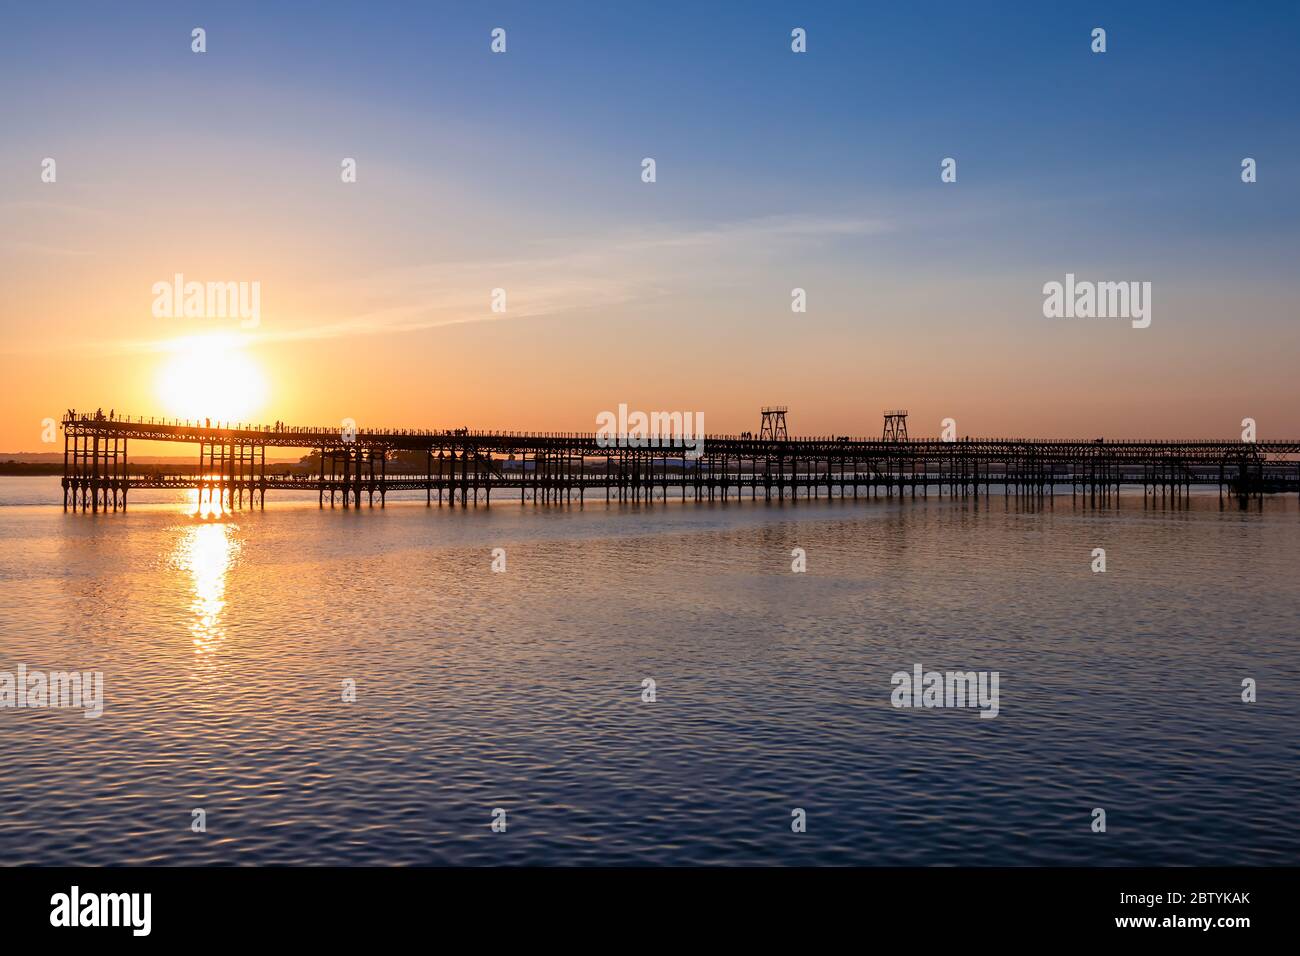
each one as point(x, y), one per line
point(211, 376)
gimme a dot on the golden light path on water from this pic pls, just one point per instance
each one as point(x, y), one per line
point(206, 552)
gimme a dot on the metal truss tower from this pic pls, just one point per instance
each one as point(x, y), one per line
point(773, 428)
point(895, 426)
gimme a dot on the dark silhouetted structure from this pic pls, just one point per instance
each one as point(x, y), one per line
point(895, 426)
point(773, 427)
point(463, 465)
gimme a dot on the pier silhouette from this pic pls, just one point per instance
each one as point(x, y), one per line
point(349, 466)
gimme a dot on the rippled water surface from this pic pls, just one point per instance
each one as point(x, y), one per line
point(224, 644)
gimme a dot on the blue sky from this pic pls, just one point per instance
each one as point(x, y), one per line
point(711, 89)
point(777, 169)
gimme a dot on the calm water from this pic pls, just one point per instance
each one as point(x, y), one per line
point(224, 643)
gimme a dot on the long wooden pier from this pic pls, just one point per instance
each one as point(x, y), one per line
point(350, 466)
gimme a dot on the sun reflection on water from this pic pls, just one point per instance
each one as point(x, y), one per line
point(206, 552)
point(208, 502)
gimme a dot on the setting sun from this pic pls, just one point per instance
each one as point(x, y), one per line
point(211, 376)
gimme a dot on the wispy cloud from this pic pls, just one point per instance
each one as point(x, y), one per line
point(549, 277)
point(42, 249)
point(575, 275)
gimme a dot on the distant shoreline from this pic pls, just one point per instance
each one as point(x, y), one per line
point(31, 468)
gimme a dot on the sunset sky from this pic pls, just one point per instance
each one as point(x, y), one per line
point(775, 170)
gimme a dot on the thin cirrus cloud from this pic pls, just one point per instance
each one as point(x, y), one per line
point(591, 273)
point(556, 276)
point(572, 275)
